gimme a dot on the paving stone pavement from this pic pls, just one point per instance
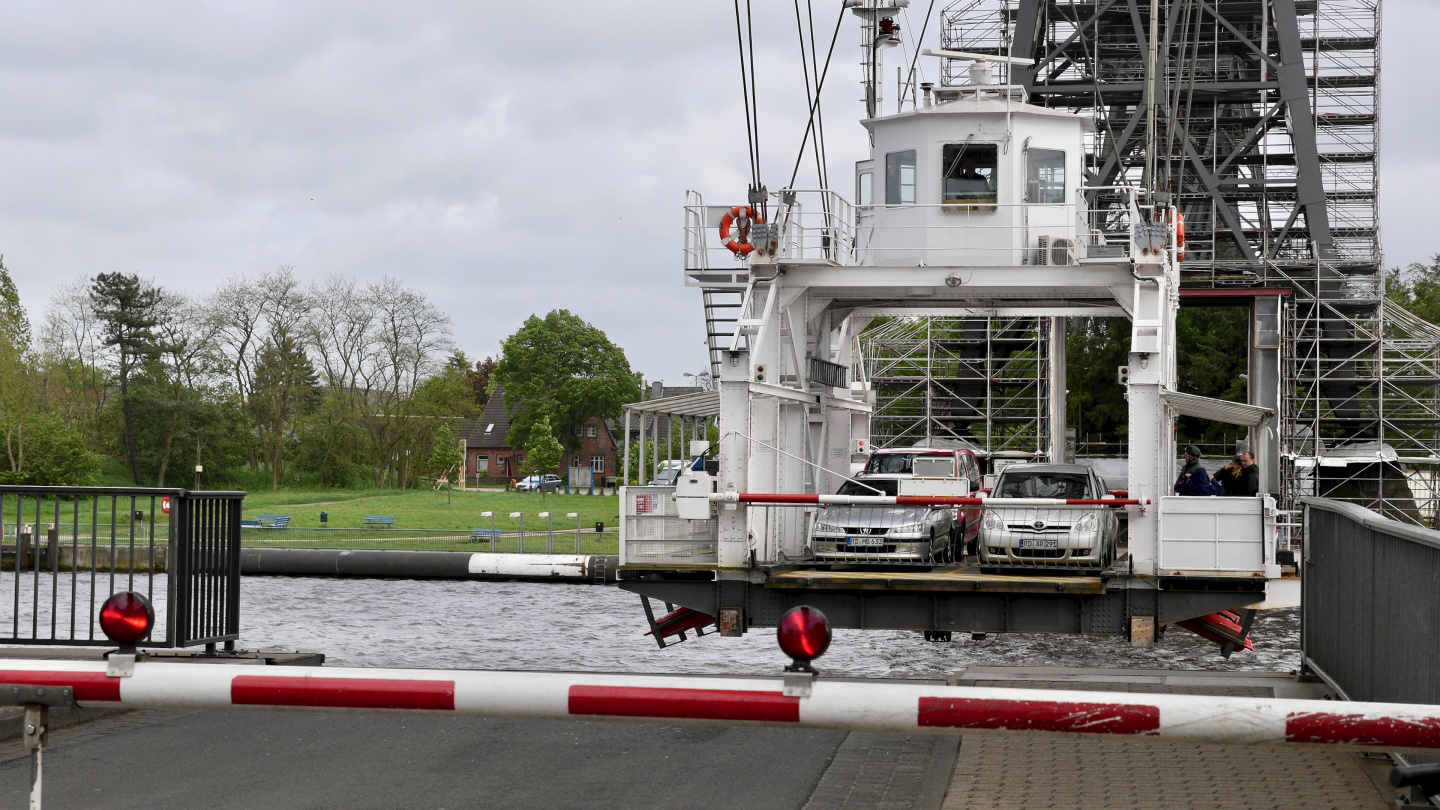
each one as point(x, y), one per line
point(1016, 773)
point(887, 772)
point(1049, 773)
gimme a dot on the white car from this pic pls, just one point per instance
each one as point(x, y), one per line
point(1075, 536)
point(536, 483)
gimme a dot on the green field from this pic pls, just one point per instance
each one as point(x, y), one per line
point(424, 519)
point(428, 509)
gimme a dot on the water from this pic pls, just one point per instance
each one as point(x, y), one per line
point(518, 625)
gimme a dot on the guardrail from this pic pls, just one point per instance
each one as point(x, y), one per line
point(66, 549)
point(1371, 592)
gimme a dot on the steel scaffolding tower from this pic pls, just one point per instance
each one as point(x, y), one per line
point(1267, 116)
point(981, 380)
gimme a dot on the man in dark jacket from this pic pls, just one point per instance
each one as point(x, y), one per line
point(1240, 478)
point(1193, 479)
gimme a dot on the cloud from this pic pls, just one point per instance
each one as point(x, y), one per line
point(505, 160)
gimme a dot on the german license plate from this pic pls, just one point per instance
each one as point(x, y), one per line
point(1039, 542)
point(864, 542)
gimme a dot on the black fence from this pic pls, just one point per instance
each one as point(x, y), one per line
point(1370, 607)
point(65, 550)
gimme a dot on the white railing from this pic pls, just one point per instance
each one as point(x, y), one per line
point(819, 226)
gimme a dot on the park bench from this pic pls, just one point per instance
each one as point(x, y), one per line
point(275, 521)
point(379, 520)
point(478, 535)
point(250, 524)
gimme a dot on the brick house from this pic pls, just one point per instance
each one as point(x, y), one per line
point(488, 453)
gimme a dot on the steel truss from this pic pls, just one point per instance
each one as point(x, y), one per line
point(983, 380)
point(1266, 119)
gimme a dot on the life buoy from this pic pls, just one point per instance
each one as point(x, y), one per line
point(1179, 236)
point(742, 217)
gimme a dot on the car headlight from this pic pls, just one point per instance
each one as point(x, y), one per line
point(1086, 523)
point(992, 521)
point(908, 528)
point(826, 527)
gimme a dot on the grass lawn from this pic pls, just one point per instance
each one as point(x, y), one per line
point(428, 509)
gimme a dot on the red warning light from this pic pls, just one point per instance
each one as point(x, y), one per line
point(804, 633)
point(126, 617)
point(165, 504)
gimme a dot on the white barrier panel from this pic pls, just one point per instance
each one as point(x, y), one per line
point(853, 705)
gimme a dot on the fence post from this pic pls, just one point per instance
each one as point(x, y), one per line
point(576, 515)
point(177, 615)
point(232, 531)
point(549, 532)
point(520, 515)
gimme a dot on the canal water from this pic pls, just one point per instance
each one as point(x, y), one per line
point(516, 625)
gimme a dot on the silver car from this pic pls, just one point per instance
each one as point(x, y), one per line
point(883, 533)
point(1076, 536)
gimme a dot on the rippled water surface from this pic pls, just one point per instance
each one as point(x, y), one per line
point(517, 625)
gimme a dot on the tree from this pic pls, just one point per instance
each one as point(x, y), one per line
point(446, 460)
point(286, 389)
point(542, 449)
point(125, 306)
point(57, 456)
point(562, 372)
point(1416, 288)
point(479, 379)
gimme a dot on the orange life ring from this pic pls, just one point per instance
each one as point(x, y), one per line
point(1179, 236)
point(742, 217)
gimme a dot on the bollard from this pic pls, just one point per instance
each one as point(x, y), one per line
point(576, 515)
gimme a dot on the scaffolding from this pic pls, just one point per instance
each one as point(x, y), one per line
point(1266, 116)
point(980, 380)
point(1379, 448)
point(1266, 136)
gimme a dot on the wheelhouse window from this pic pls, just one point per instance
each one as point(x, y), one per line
point(865, 188)
point(1045, 176)
point(969, 174)
point(900, 178)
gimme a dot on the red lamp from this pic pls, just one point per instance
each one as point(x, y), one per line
point(804, 635)
point(126, 617)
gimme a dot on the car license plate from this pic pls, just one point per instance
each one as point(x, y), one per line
point(864, 542)
point(1040, 542)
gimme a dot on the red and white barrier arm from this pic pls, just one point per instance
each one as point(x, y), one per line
point(908, 500)
point(834, 704)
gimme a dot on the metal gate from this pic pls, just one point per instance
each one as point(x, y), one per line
point(65, 550)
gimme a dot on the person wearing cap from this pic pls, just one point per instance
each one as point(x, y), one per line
point(1193, 480)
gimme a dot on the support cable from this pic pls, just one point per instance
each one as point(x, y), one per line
point(755, 105)
point(918, 42)
point(805, 70)
point(745, 90)
point(814, 105)
point(819, 113)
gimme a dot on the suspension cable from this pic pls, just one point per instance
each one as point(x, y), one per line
point(805, 71)
point(755, 107)
point(810, 124)
point(819, 111)
point(925, 26)
point(745, 89)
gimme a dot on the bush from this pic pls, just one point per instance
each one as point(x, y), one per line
point(53, 455)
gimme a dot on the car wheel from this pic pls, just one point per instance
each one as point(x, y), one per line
point(957, 544)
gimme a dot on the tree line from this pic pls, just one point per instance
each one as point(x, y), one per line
point(264, 380)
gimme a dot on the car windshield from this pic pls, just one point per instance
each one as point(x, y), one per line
point(1018, 484)
point(886, 487)
point(893, 463)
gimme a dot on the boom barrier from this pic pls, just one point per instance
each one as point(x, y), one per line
point(908, 500)
point(797, 701)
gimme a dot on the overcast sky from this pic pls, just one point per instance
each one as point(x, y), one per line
point(506, 160)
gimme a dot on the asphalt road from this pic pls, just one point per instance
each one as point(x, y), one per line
point(295, 759)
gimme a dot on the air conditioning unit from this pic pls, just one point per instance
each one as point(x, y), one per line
point(1062, 251)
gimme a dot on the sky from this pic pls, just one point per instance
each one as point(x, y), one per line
point(505, 159)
